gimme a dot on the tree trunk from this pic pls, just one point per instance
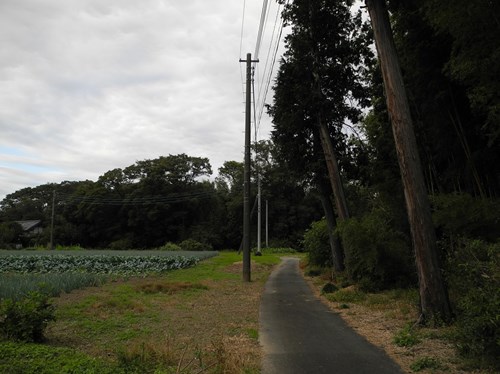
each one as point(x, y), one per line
point(335, 246)
point(433, 295)
point(333, 170)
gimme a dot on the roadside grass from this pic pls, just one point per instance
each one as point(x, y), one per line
point(199, 319)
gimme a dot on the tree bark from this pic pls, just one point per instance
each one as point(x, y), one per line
point(335, 246)
point(333, 170)
point(433, 295)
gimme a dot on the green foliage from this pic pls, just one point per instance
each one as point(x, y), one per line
point(376, 256)
point(121, 244)
point(169, 246)
point(278, 250)
point(426, 362)
point(69, 247)
point(193, 245)
point(406, 337)
point(465, 216)
point(329, 288)
point(347, 295)
point(474, 280)
point(96, 263)
point(17, 358)
point(10, 233)
point(26, 319)
point(316, 244)
point(15, 286)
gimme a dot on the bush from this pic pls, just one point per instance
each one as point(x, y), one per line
point(25, 320)
point(169, 246)
point(376, 255)
point(473, 271)
point(317, 245)
point(461, 215)
point(193, 245)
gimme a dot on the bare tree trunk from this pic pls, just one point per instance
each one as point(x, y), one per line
point(434, 301)
point(335, 246)
point(333, 170)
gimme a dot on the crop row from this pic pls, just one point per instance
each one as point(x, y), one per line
point(97, 264)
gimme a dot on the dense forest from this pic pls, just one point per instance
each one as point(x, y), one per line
point(334, 171)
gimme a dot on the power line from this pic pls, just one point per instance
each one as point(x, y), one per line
point(263, 16)
point(241, 46)
point(270, 74)
point(171, 198)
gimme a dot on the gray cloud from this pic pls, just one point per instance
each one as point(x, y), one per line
point(91, 85)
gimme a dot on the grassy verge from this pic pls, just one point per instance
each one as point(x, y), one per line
point(200, 319)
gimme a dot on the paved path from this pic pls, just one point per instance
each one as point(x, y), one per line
point(300, 335)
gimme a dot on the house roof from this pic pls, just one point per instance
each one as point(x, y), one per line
point(28, 225)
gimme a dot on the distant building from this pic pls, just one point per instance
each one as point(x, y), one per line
point(32, 227)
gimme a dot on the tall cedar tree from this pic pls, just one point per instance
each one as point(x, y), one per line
point(317, 89)
point(433, 295)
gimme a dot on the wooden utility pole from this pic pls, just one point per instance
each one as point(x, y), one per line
point(246, 174)
point(433, 295)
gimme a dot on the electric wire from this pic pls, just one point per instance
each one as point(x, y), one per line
point(271, 69)
point(241, 47)
point(263, 16)
point(172, 198)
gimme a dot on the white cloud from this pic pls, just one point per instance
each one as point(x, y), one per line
point(90, 85)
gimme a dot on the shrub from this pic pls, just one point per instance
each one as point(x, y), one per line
point(169, 246)
point(329, 288)
point(121, 244)
point(193, 245)
point(463, 215)
point(473, 270)
point(25, 320)
point(376, 255)
point(426, 362)
point(406, 337)
point(316, 244)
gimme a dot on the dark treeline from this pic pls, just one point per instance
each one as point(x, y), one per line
point(153, 202)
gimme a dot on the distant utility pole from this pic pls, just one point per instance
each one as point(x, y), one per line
point(246, 196)
point(51, 245)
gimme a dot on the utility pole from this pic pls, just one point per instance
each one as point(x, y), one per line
point(267, 224)
point(246, 174)
point(51, 245)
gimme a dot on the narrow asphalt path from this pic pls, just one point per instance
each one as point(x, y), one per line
point(300, 335)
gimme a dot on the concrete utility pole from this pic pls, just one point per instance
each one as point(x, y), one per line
point(246, 178)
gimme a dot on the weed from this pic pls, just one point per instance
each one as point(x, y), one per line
point(25, 320)
point(253, 334)
point(347, 295)
point(406, 337)
point(426, 362)
point(329, 288)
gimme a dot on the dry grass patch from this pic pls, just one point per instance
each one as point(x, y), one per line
point(168, 323)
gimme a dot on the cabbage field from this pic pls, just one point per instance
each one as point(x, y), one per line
point(56, 271)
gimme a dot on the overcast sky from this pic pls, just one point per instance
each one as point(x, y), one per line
point(87, 86)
